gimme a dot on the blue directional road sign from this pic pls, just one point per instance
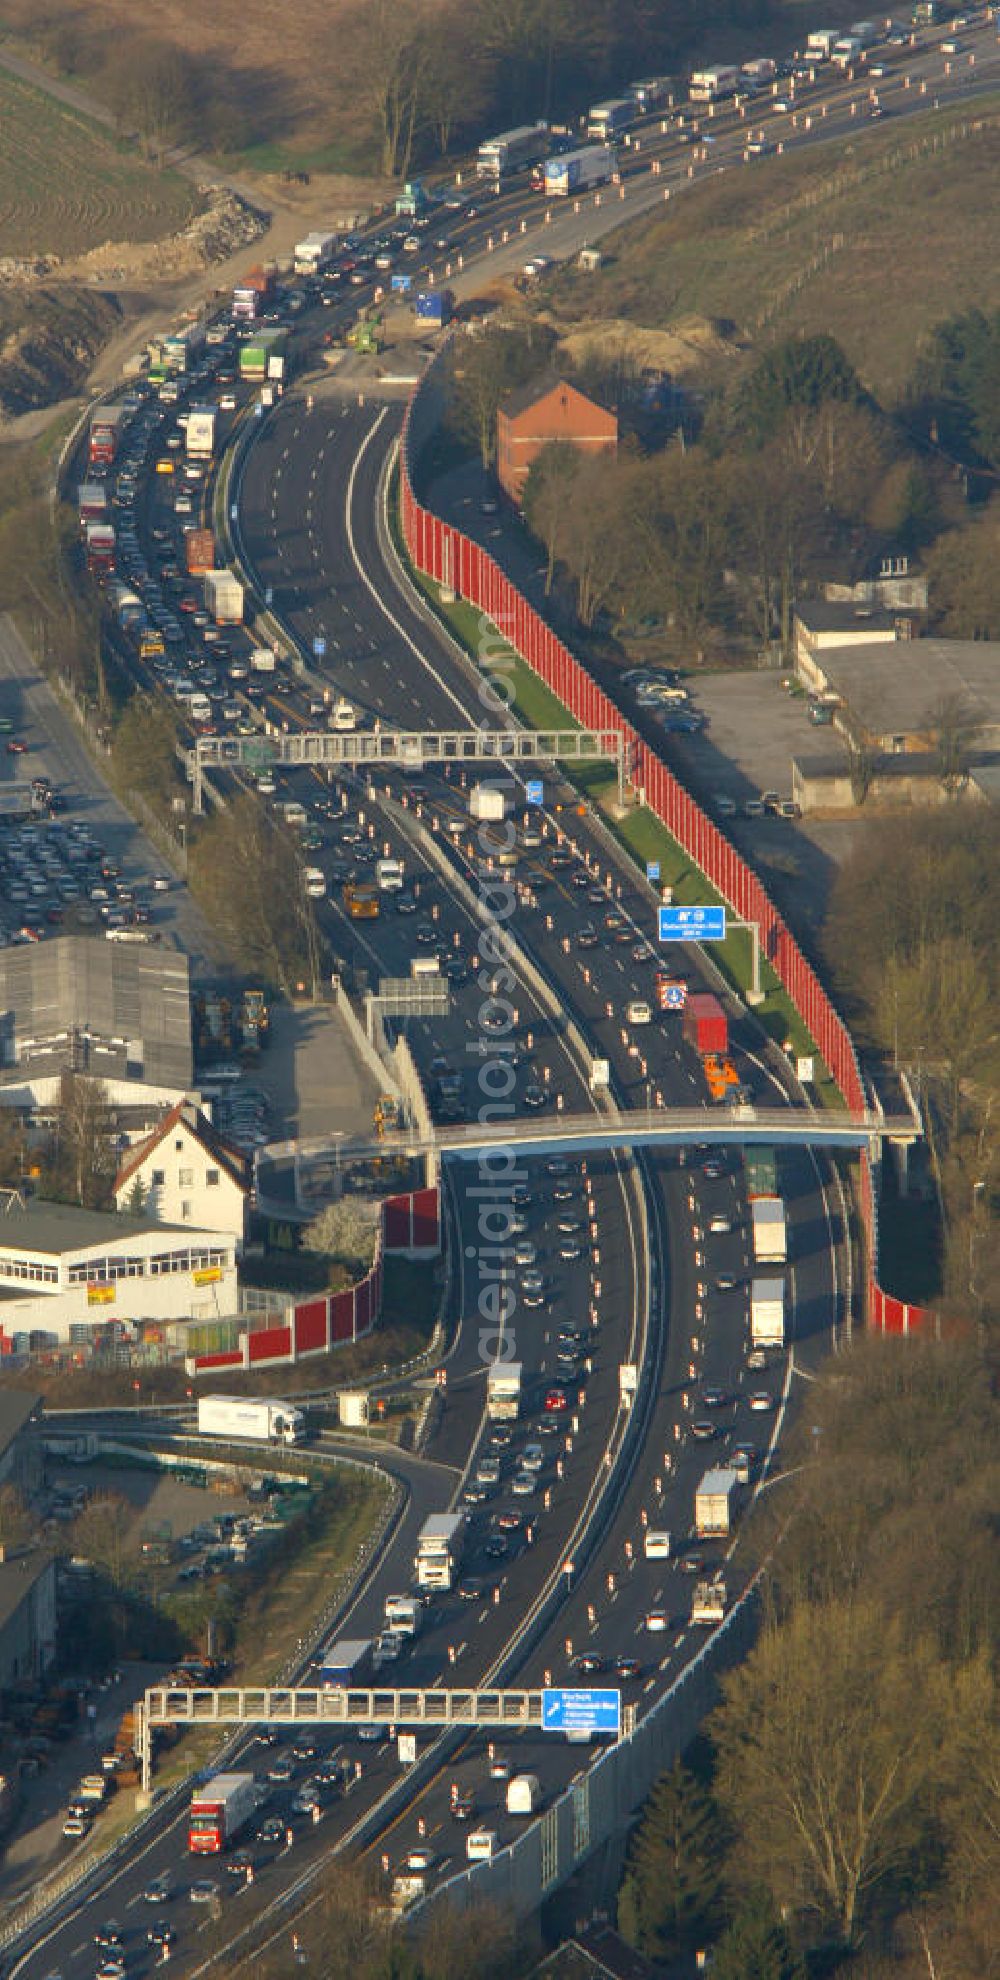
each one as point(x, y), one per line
point(534, 791)
point(652, 870)
point(401, 284)
point(581, 1711)
point(692, 924)
point(319, 647)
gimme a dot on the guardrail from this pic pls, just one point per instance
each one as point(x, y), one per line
point(452, 560)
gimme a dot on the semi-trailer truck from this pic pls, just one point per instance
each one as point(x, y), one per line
point(503, 1392)
point(224, 598)
point(767, 1313)
point(256, 1417)
point(577, 171)
point(770, 1230)
point(220, 1811)
point(704, 1024)
point(105, 432)
point(439, 1550)
point(347, 1663)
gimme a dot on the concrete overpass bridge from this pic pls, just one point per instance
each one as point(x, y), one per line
point(554, 1132)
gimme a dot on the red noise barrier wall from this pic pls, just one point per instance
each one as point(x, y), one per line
point(410, 1224)
point(441, 552)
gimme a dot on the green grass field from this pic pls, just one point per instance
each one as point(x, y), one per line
point(873, 239)
point(66, 188)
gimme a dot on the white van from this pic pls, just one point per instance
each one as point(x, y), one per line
point(295, 814)
point(424, 966)
point(639, 1012)
point(656, 1544)
point(315, 883)
point(480, 1845)
point(389, 875)
point(342, 716)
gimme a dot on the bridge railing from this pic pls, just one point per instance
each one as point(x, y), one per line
point(443, 553)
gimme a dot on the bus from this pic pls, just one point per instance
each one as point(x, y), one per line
point(361, 900)
point(611, 119)
point(512, 151)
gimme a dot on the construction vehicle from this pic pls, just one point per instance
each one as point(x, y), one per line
point(720, 1075)
point(386, 1114)
point(367, 336)
point(361, 899)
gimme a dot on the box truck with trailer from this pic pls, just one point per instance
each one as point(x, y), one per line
point(100, 541)
point(650, 93)
point(760, 1167)
point(714, 1504)
point(512, 151)
point(770, 1230)
point(713, 85)
point(821, 44)
point(259, 1418)
point(503, 1392)
point(440, 1544)
point(199, 552)
point(92, 502)
point(311, 255)
point(106, 427)
point(220, 1811)
point(577, 171)
point(767, 1313)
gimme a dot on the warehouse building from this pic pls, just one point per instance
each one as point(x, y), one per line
point(64, 1271)
point(106, 1010)
point(891, 689)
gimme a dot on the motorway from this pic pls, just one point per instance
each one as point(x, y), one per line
point(592, 1290)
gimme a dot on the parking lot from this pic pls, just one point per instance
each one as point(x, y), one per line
point(50, 863)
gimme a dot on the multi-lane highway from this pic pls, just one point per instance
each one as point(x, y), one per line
point(608, 1265)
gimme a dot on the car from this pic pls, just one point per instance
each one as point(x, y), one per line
point(703, 1431)
point(657, 1620)
point(761, 1400)
point(108, 1937)
point(281, 1772)
point(714, 1399)
point(271, 1831)
point(555, 1402)
point(588, 1664)
point(524, 1485)
point(757, 1360)
point(240, 1864)
point(509, 1522)
point(726, 1282)
point(500, 1767)
point(373, 1735)
point(160, 1889)
point(112, 1967)
point(532, 1457)
point(570, 1249)
point(532, 1282)
point(16, 746)
point(418, 1860)
point(712, 1169)
point(305, 1749)
point(76, 1826)
point(463, 1806)
point(305, 1803)
point(627, 1667)
point(720, 1225)
point(690, 1563)
point(488, 1471)
point(525, 1254)
point(497, 1547)
point(473, 1589)
point(204, 1890)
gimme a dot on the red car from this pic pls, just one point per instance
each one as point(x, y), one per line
point(556, 1400)
point(16, 747)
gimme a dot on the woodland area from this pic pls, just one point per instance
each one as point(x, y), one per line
point(843, 1816)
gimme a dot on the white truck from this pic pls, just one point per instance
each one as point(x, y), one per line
point(220, 1811)
point(199, 433)
point(767, 1313)
point(440, 1544)
point(343, 718)
point(503, 1392)
point(523, 1794)
point(714, 1504)
point(404, 1613)
point(488, 803)
point(846, 51)
point(708, 1606)
point(577, 171)
point(821, 44)
point(263, 660)
point(224, 598)
point(770, 1230)
point(255, 1418)
point(390, 875)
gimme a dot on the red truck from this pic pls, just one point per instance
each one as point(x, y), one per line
point(220, 1812)
point(199, 551)
point(704, 1024)
point(100, 549)
point(105, 432)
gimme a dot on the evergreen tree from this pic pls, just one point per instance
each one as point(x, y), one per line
point(756, 1946)
point(671, 1887)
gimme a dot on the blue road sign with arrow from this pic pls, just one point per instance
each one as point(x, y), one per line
point(581, 1711)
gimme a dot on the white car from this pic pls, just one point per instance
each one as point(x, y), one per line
point(524, 1485)
point(761, 1400)
point(657, 1621)
point(720, 1225)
